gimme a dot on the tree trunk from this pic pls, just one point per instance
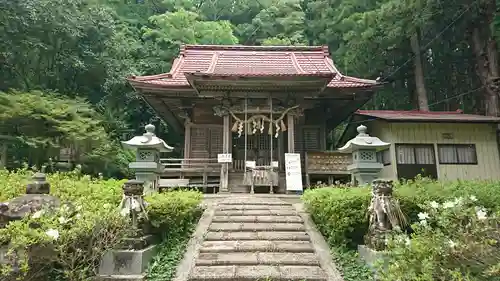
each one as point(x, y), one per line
point(421, 92)
point(487, 68)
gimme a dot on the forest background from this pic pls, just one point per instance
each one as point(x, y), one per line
point(63, 63)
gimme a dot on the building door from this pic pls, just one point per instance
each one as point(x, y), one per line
point(416, 159)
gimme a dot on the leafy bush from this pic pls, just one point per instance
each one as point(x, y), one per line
point(341, 213)
point(456, 241)
point(75, 236)
point(174, 211)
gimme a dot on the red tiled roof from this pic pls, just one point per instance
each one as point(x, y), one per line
point(252, 61)
point(436, 116)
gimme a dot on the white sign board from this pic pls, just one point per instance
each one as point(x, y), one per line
point(293, 172)
point(250, 164)
point(275, 164)
point(224, 158)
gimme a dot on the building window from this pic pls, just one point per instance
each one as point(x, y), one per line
point(457, 154)
point(422, 154)
point(384, 157)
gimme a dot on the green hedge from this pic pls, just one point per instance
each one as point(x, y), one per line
point(87, 231)
point(341, 213)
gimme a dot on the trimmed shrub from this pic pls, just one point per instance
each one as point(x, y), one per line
point(341, 213)
point(174, 211)
point(73, 239)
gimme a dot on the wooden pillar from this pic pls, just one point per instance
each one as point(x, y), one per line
point(187, 140)
point(226, 133)
point(291, 134)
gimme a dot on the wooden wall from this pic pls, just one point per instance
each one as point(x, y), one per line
point(483, 136)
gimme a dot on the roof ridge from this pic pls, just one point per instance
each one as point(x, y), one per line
point(253, 48)
point(296, 63)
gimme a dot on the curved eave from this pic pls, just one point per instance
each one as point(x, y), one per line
point(259, 82)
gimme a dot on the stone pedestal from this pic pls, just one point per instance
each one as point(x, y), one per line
point(130, 260)
point(372, 258)
point(126, 264)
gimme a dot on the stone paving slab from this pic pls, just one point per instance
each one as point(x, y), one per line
point(261, 235)
point(274, 212)
point(241, 258)
point(259, 272)
point(269, 219)
point(252, 238)
point(257, 258)
point(257, 246)
point(247, 201)
point(201, 273)
point(254, 207)
point(234, 226)
point(302, 272)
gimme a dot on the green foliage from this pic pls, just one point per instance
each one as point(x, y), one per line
point(174, 211)
point(171, 251)
point(455, 240)
point(67, 243)
point(43, 123)
point(351, 266)
point(83, 230)
point(341, 213)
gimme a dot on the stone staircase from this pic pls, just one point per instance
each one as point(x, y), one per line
point(252, 238)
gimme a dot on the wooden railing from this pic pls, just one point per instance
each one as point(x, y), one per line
point(239, 165)
point(185, 165)
point(326, 162)
point(194, 172)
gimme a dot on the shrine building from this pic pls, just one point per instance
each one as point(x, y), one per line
point(242, 109)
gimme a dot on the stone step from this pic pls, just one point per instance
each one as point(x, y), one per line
point(253, 201)
point(257, 258)
point(275, 212)
point(120, 278)
point(257, 246)
point(260, 272)
point(260, 235)
point(260, 226)
point(268, 219)
point(223, 207)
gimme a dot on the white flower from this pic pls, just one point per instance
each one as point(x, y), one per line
point(407, 242)
point(63, 220)
point(78, 216)
point(423, 222)
point(452, 244)
point(448, 204)
point(473, 198)
point(53, 233)
point(423, 216)
point(458, 201)
point(37, 214)
point(434, 204)
point(481, 215)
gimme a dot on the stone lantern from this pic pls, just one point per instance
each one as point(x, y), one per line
point(364, 148)
point(147, 166)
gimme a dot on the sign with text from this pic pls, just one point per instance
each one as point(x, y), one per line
point(224, 158)
point(250, 164)
point(293, 172)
